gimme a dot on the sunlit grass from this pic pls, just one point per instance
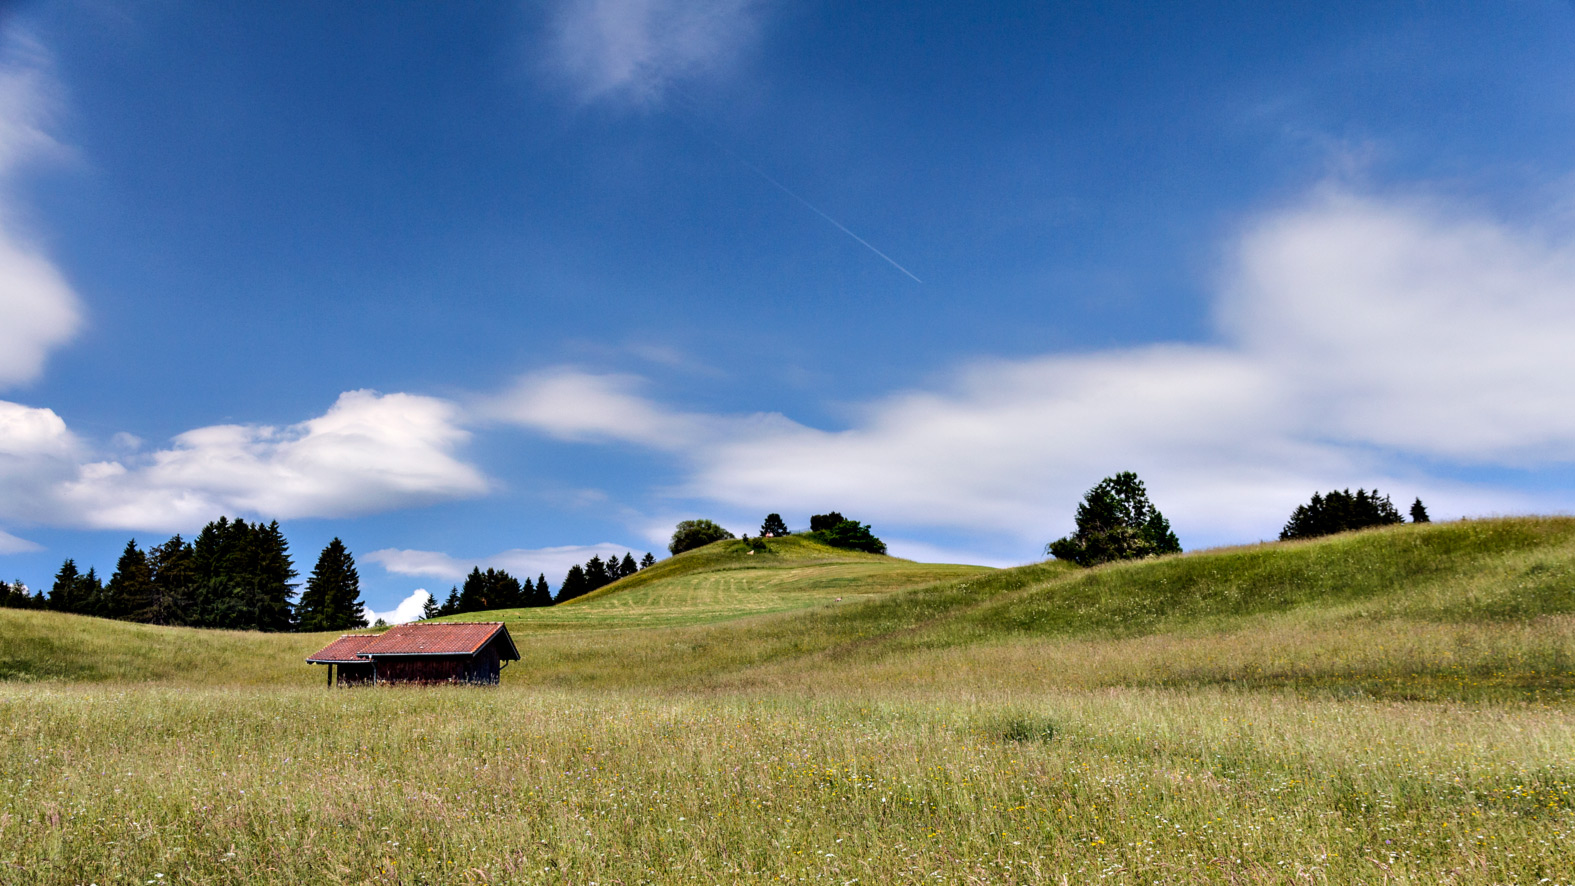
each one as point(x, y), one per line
point(1392, 706)
point(523, 786)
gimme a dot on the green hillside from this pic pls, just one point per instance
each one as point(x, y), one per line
point(730, 579)
point(1467, 608)
point(1386, 706)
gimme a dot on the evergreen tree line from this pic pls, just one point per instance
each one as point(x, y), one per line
point(493, 589)
point(234, 575)
point(1340, 511)
point(17, 596)
point(595, 574)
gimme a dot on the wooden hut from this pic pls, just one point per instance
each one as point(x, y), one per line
point(443, 652)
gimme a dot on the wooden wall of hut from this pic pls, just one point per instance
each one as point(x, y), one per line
point(484, 667)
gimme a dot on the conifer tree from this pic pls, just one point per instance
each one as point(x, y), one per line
point(332, 598)
point(451, 604)
point(1340, 511)
point(63, 593)
point(595, 574)
point(648, 560)
point(574, 584)
point(540, 595)
point(773, 527)
point(627, 567)
point(275, 580)
point(430, 609)
point(130, 590)
point(1116, 521)
point(473, 594)
point(174, 582)
point(1419, 512)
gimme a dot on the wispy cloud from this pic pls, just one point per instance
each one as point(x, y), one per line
point(10, 544)
point(635, 51)
point(38, 309)
point(1360, 339)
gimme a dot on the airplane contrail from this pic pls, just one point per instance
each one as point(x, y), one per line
point(693, 110)
point(815, 209)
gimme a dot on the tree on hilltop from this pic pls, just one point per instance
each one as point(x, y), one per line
point(691, 534)
point(1116, 521)
point(773, 527)
point(839, 532)
point(1419, 512)
point(648, 560)
point(823, 522)
point(1340, 511)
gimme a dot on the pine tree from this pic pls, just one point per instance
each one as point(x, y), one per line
point(627, 567)
point(332, 598)
point(473, 594)
point(130, 590)
point(275, 580)
point(596, 574)
point(505, 591)
point(773, 527)
point(451, 605)
point(573, 584)
point(647, 561)
point(174, 582)
point(1340, 511)
point(430, 609)
point(1116, 521)
point(63, 593)
point(540, 595)
point(1419, 512)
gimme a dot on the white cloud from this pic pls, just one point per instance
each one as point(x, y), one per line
point(1359, 339)
point(553, 562)
point(369, 452)
point(10, 544)
point(38, 310)
point(636, 50)
point(408, 610)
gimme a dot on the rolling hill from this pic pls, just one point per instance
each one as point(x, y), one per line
point(1470, 608)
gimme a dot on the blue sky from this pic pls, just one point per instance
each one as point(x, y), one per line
point(506, 284)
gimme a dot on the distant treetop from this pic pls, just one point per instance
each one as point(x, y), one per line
point(1340, 511)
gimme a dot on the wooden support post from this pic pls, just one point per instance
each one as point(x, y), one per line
point(330, 675)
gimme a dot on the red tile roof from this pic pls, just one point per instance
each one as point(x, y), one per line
point(441, 638)
point(418, 638)
point(343, 650)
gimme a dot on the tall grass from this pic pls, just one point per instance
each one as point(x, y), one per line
point(252, 786)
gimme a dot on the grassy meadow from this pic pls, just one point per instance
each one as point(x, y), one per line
point(1391, 706)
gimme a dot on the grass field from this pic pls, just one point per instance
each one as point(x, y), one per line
point(1392, 706)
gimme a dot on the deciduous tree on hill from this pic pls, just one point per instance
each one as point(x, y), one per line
point(1116, 521)
point(823, 522)
point(840, 532)
point(691, 534)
